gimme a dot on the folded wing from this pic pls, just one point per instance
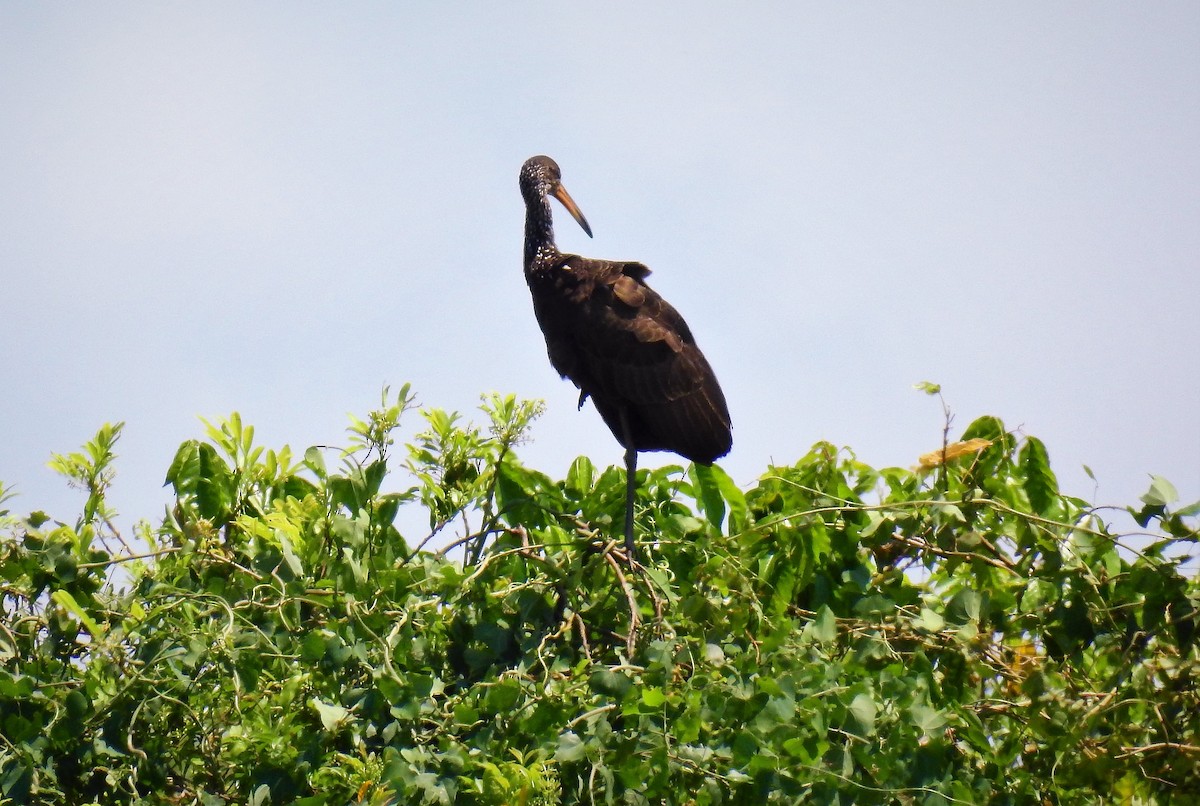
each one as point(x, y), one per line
point(630, 351)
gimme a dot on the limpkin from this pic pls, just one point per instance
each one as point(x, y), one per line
point(619, 342)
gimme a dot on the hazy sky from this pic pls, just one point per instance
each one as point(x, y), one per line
point(277, 208)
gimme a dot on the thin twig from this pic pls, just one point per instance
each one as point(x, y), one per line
point(131, 557)
point(588, 715)
point(1157, 747)
point(631, 638)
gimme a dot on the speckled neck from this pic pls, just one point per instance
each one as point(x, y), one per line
point(539, 233)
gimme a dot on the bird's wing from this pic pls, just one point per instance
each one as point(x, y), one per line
point(671, 396)
point(637, 346)
point(629, 350)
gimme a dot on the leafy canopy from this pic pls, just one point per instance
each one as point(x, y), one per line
point(958, 633)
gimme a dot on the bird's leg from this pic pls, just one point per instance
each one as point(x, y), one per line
point(630, 486)
point(630, 497)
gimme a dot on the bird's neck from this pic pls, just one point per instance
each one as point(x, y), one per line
point(539, 232)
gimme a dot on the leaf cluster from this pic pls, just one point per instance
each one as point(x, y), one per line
point(835, 633)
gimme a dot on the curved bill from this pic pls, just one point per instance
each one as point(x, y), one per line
point(561, 194)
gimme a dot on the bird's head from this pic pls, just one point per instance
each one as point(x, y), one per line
point(541, 177)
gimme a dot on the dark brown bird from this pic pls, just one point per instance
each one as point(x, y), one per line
point(622, 344)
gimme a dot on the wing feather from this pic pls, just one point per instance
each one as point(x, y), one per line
point(629, 349)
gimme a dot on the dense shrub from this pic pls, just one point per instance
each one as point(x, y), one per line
point(957, 633)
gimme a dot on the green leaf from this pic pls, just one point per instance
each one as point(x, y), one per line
point(289, 555)
point(314, 460)
point(77, 705)
point(663, 584)
point(613, 683)
point(930, 621)
point(927, 719)
point(964, 607)
point(1161, 493)
point(313, 647)
point(1038, 594)
point(570, 748)
point(581, 477)
point(653, 697)
point(863, 709)
point(332, 716)
point(986, 427)
point(15, 686)
point(1040, 484)
point(734, 497)
point(214, 485)
point(777, 711)
point(185, 469)
point(875, 520)
point(708, 493)
point(950, 512)
point(503, 696)
point(67, 601)
point(683, 525)
point(823, 628)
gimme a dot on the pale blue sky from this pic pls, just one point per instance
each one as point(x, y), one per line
point(276, 208)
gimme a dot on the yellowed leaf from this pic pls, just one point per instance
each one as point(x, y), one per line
point(953, 451)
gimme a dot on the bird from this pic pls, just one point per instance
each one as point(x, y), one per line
point(619, 342)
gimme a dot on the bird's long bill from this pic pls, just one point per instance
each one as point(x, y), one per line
point(561, 194)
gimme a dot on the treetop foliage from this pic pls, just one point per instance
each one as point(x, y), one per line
point(959, 632)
